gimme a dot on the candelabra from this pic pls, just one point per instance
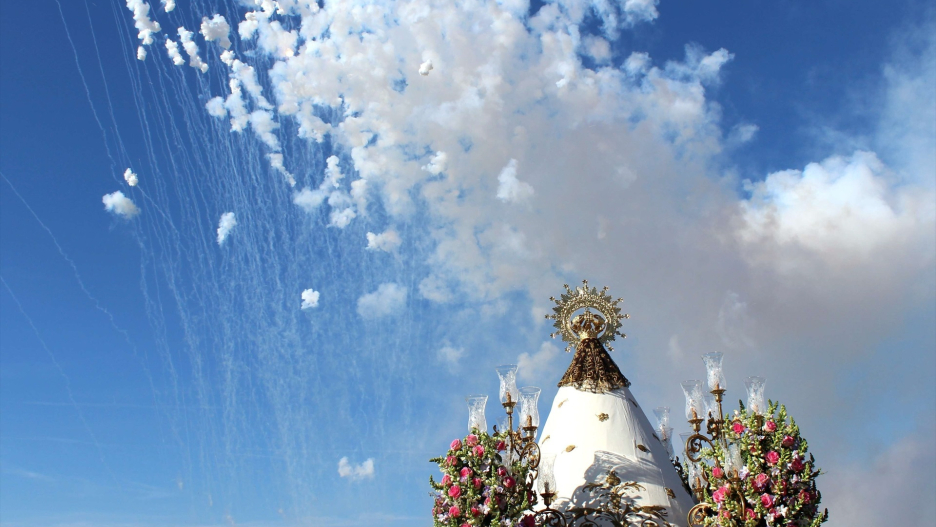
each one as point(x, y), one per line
point(520, 442)
point(698, 407)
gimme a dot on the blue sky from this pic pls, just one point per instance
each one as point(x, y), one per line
point(752, 178)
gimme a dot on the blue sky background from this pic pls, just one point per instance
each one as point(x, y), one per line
point(153, 376)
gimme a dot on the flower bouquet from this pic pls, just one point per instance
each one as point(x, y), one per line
point(480, 486)
point(776, 482)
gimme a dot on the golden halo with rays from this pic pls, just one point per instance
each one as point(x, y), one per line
point(588, 298)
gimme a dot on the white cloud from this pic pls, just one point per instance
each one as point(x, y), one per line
point(225, 225)
point(742, 133)
point(359, 194)
point(142, 21)
point(131, 178)
point(435, 289)
point(450, 356)
point(215, 107)
point(276, 163)
point(309, 200)
point(641, 10)
point(263, 124)
point(168, 5)
point(425, 68)
point(597, 48)
point(141, 53)
point(361, 471)
point(341, 218)
point(387, 241)
point(388, 299)
point(216, 28)
point(541, 366)
point(840, 212)
point(509, 188)
point(191, 49)
point(120, 205)
point(310, 299)
point(172, 49)
point(437, 164)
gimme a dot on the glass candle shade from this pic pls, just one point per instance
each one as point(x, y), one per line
point(662, 415)
point(693, 391)
point(508, 382)
point(667, 439)
point(713, 368)
point(546, 479)
point(710, 405)
point(683, 438)
point(755, 394)
point(733, 462)
point(695, 475)
point(529, 405)
point(476, 417)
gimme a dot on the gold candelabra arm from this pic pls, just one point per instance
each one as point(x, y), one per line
point(550, 517)
point(698, 514)
point(694, 447)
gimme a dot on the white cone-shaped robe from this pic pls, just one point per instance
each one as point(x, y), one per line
point(593, 433)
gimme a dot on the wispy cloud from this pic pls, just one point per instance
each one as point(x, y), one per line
point(389, 298)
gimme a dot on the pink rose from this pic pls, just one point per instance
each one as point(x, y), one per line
point(454, 491)
point(455, 512)
point(487, 501)
point(718, 472)
point(773, 458)
point(749, 513)
point(528, 521)
point(476, 483)
point(737, 427)
point(500, 446)
point(465, 525)
point(725, 514)
point(720, 494)
point(501, 471)
point(509, 482)
point(479, 450)
point(760, 481)
point(472, 440)
point(451, 460)
point(788, 441)
point(475, 511)
point(767, 500)
point(797, 465)
point(446, 480)
point(456, 445)
point(770, 426)
point(465, 473)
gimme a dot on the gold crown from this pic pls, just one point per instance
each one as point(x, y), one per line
point(603, 325)
point(587, 325)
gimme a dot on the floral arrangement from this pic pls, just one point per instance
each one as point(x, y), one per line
point(479, 485)
point(777, 478)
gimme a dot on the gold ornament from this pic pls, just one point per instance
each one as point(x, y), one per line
point(603, 325)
